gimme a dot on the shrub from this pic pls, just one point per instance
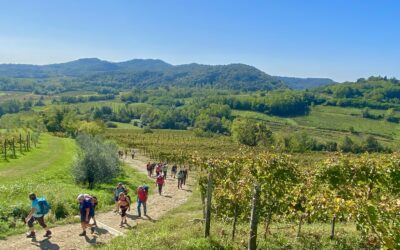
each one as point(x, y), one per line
point(147, 130)
point(111, 125)
point(60, 211)
point(98, 161)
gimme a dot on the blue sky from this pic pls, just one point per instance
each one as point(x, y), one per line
point(343, 40)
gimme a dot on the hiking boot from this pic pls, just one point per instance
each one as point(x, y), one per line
point(48, 233)
point(92, 230)
point(83, 233)
point(31, 235)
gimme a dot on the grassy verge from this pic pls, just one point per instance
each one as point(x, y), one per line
point(178, 231)
point(47, 172)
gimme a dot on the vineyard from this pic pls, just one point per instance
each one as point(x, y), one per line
point(17, 142)
point(261, 189)
point(172, 145)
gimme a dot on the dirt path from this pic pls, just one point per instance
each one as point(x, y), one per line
point(66, 236)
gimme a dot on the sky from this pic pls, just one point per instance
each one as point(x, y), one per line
point(339, 39)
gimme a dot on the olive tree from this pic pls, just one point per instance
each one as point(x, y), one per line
point(97, 161)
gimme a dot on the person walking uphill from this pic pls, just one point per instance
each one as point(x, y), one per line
point(86, 212)
point(180, 176)
point(124, 205)
point(165, 170)
point(160, 183)
point(118, 190)
point(142, 193)
point(40, 208)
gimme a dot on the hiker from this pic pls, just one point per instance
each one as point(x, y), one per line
point(118, 190)
point(39, 208)
point(93, 209)
point(133, 154)
point(165, 170)
point(158, 169)
point(126, 153)
point(180, 178)
point(120, 154)
point(160, 183)
point(124, 206)
point(149, 169)
point(173, 171)
point(185, 175)
point(153, 166)
point(85, 208)
point(142, 193)
point(128, 197)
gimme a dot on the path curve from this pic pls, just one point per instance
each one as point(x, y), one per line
point(66, 236)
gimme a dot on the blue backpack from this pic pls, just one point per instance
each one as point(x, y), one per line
point(44, 206)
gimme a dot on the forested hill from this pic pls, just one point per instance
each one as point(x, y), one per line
point(146, 73)
point(93, 73)
point(304, 83)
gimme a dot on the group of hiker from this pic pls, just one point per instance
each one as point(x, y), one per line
point(87, 207)
point(161, 173)
point(123, 154)
point(88, 203)
point(123, 201)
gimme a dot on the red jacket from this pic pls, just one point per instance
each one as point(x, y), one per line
point(160, 180)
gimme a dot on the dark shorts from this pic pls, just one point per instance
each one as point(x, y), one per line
point(123, 211)
point(83, 218)
point(40, 220)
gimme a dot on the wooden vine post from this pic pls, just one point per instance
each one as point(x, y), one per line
point(254, 218)
point(333, 227)
point(5, 149)
point(13, 148)
point(20, 143)
point(208, 206)
point(27, 143)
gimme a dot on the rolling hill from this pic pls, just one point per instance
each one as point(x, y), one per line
point(144, 73)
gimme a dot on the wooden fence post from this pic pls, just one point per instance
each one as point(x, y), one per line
point(208, 206)
point(254, 218)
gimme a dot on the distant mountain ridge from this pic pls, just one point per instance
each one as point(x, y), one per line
point(155, 72)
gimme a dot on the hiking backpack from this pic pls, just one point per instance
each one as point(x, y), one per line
point(44, 206)
point(142, 195)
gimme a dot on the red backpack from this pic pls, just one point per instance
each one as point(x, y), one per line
point(142, 195)
point(160, 180)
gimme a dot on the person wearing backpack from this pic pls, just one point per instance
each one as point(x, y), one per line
point(93, 201)
point(40, 207)
point(117, 191)
point(142, 193)
point(181, 175)
point(158, 169)
point(185, 175)
point(165, 170)
point(93, 211)
point(85, 208)
point(160, 183)
point(173, 171)
point(124, 205)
